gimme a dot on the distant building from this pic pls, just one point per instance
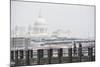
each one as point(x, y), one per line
point(38, 37)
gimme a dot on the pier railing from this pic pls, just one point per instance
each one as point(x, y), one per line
point(52, 56)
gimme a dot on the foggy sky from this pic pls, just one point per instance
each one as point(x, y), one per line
point(78, 19)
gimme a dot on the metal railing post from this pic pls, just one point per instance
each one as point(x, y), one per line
point(70, 54)
point(60, 54)
point(16, 57)
point(80, 52)
point(12, 55)
point(50, 52)
point(90, 53)
point(39, 55)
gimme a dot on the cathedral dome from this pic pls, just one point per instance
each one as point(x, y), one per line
point(40, 21)
point(40, 27)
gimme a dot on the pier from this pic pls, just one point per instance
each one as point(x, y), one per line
point(53, 55)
